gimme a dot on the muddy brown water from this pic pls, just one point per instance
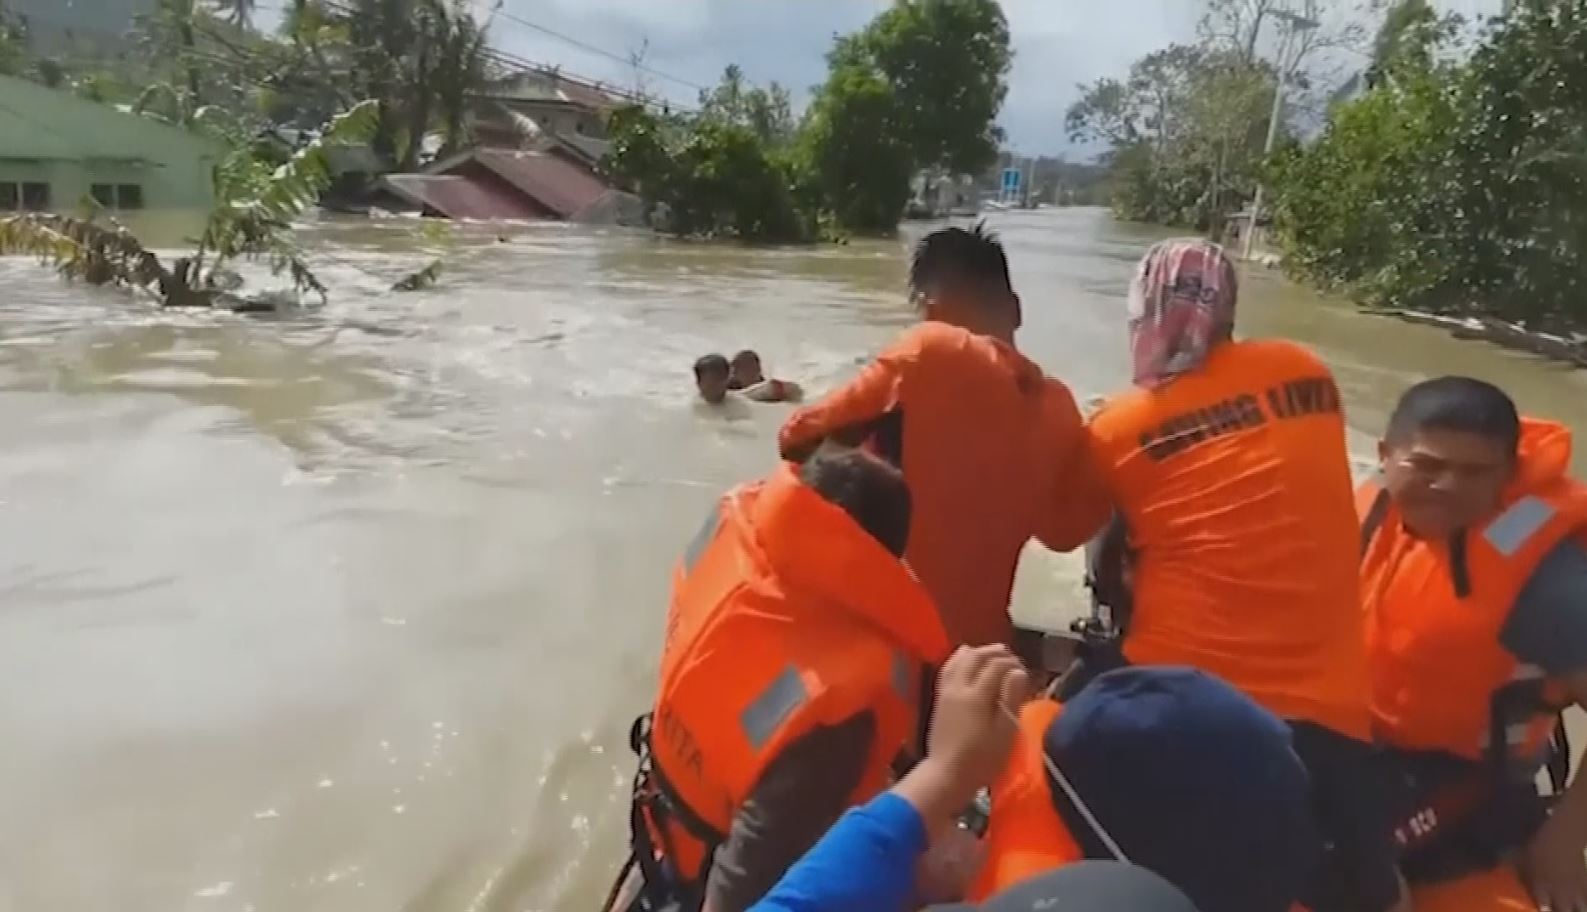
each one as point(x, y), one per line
point(351, 611)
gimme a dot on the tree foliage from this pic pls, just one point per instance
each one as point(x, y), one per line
point(767, 112)
point(1186, 127)
point(1185, 130)
point(947, 62)
point(855, 150)
point(710, 177)
point(917, 89)
point(1457, 187)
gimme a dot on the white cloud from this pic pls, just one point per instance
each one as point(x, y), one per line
point(1057, 44)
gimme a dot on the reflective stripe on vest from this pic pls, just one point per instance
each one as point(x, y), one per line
point(1510, 532)
point(787, 692)
point(776, 703)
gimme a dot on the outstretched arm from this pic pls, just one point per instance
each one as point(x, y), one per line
point(846, 413)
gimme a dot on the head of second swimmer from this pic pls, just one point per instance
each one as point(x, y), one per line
point(746, 370)
point(960, 276)
point(711, 373)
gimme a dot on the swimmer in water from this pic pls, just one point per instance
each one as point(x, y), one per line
point(712, 377)
point(746, 377)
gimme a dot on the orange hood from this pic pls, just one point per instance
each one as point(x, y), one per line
point(817, 547)
point(1544, 456)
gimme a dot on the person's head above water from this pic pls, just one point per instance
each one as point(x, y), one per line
point(1191, 779)
point(746, 370)
point(1181, 306)
point(867, 488)
point(711, 374)
point(1449, 452)
point(960, 276)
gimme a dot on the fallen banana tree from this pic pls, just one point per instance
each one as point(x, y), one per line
point(251, 221)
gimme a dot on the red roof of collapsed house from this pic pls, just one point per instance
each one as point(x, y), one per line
point(559, 185)
point(460, 197)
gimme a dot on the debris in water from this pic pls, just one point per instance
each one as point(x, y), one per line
point(220, 889)
point(267, 814)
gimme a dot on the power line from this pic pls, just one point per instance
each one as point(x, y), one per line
point(627, 61)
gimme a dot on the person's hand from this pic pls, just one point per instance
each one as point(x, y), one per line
point(979, 690)
point(948, 869)
point(1555, 869)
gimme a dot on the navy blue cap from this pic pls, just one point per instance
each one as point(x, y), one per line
point(1089, 886)
point(1191, 779)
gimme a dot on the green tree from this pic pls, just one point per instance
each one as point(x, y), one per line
point(1503, 213)
point(768, 112)
point(1456, 188)
point(854, 147)
point(419, 58)
point(710, 178)
point(13, 43)
point(947, 62)
point(1185, 129)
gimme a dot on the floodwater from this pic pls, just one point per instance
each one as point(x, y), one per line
point(352, 611)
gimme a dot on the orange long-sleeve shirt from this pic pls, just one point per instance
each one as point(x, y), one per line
point(1235, 483)
point(994, 452)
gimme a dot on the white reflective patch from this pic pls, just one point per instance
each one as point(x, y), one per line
point(1516, 733)
point(1518, 524)
point(1525, 672)
point(780, 698)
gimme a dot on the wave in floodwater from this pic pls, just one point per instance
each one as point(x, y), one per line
point(350, 609)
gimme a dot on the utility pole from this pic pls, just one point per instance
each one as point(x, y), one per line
point(1299, 24)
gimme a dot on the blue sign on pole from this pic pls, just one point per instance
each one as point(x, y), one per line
point(1011, 182)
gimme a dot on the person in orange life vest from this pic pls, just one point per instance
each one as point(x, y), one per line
point(1228, 466)
point(798, 649)
point(1168, 768)
point(994, 450)
point(1474, 578)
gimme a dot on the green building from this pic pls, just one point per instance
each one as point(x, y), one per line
point(56, 149)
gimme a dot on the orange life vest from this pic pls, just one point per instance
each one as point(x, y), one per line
point(1496, 889)
point(1234, 482)
point(1441, 679)
point(786, 615)
point(1025, 837)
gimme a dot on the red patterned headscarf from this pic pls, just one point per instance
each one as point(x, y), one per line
point(1181, 305)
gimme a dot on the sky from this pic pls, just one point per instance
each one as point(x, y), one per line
point(1058, 44)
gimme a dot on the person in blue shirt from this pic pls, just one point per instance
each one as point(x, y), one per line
point(1141, 719)
point(867, 862)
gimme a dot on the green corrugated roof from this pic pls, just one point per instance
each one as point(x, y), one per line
point(43, 123)
point(30, 136)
